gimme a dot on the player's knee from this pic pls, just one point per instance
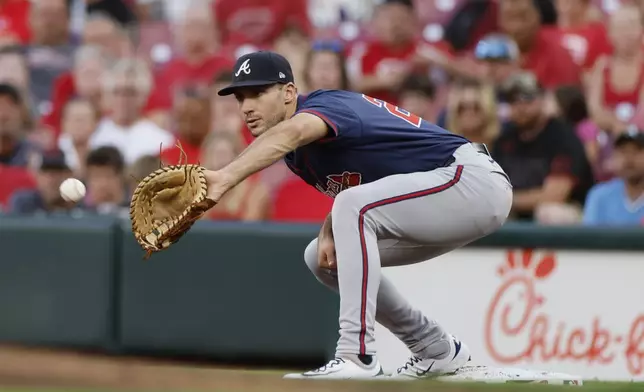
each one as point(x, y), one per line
point(347, 207)
point(311, 256)
point(346, 203)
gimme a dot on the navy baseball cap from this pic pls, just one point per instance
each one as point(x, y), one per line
point(260, 68)
point(52, 160)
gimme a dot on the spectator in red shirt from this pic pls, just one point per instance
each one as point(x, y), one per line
point(616, 85)
point(84, 81)
point(586, 39)
point(192, 125)
point(381, 65)
point(198, 61)
point(14, 19)
point(259, 22)
point(541, 53)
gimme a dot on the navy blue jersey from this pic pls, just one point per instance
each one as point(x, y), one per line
point(368, 139)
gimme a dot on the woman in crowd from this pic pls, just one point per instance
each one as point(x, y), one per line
point(79, 121)
point(248, 201)
point(326, 67)
point(472, 111)
point(615, 86)
point(571, 106)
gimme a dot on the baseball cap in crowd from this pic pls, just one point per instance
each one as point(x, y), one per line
point(262, 68)
point(522, 86)
point(52, 160)
point(332, 45)
point(496, 47)
point(631, 135)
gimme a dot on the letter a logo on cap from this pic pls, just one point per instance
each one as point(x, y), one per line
point(245, 67)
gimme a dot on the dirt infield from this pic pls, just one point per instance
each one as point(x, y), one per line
point(41, 370)
point(54, 368)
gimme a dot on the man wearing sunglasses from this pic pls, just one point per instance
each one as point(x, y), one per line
point(405, 191)
point(542, 155)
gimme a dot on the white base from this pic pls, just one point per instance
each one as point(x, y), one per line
point(508, 375)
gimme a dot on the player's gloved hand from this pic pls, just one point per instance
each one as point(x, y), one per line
point(326, 252)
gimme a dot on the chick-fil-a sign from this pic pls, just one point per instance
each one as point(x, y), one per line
point(519, 329)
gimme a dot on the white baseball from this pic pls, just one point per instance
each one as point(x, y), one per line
point(72, 190)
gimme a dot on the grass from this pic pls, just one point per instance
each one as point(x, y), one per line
point(354, 386)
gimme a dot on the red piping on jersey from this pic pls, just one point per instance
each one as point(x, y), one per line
point(363, 243)
point(322, 117)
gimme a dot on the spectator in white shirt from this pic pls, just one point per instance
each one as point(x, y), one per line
point(126, 88)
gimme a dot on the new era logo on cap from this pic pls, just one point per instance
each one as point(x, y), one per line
point(267, 68)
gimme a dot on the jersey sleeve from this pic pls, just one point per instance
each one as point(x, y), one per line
point(341, 120)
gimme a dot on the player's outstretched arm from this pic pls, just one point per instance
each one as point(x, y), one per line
point(270, 147)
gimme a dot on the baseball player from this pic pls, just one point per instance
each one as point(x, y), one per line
point(405, 191)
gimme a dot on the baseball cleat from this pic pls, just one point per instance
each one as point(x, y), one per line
point(342, 369)
point(416, 367)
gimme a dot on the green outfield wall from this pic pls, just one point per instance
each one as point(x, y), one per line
point(227, 291)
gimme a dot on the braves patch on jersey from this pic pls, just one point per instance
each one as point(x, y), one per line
point(336, 183)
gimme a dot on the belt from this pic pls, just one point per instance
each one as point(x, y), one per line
point(479, 147)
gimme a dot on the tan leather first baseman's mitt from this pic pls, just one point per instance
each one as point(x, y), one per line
point(166, 204)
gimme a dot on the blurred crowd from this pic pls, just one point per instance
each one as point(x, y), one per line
point(107, 91)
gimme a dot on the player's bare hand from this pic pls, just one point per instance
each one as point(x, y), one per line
point(326, 252)
point(217, 184)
